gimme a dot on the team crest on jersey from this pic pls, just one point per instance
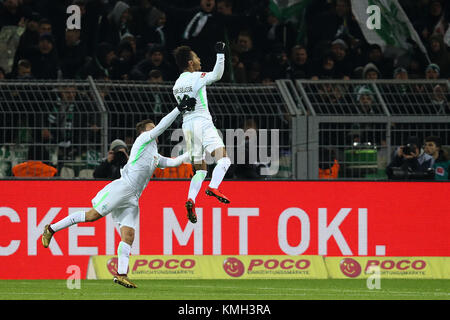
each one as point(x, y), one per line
point(203, 75)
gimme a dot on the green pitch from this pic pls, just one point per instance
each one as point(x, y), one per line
point(226, 290)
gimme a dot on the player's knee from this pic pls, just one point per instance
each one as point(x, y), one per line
point(92, 215)
point(127, 235)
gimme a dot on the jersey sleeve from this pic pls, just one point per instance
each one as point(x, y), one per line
point(207, 78)
point(162, 125)
point(165, 162)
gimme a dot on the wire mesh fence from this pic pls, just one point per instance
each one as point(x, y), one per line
point(300, 129)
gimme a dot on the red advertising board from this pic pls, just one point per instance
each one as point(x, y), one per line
point(264, 218)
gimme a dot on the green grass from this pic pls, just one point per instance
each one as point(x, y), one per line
point(226, 290)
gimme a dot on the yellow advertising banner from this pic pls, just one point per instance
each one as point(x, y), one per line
point(212, 267)
point(388, 267)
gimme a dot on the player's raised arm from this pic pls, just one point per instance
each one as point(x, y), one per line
point(217, 73)
point(186, 104)
point(165, 162)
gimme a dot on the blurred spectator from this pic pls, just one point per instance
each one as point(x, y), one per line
point(45, 26)
point(9, 41)
point(433, 21)
point(115, 24)
point(299, 66)
point(154, 60)
point(24, 70)
point(440, 101)
point(155, 76)
point(366, 99)
point(12, 12)
point(410, 162)
point(73, 54)
point(277, 33)
point(200, 28)
point(371, 72)
point(126, 60)
point(343, 63)
point(326, 70)
point(30, 38)
point(384, 65)
point(401, 74)
point(248, 54)
point(277, 64)
point(439, 54)
point(336, 23)
point(116, 159)
point(103, 65)
point(432, 72)
point(433, 147)
point(44, 59)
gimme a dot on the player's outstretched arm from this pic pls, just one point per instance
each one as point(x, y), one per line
point(165, 162)
point(217, 73)
point(187, 104)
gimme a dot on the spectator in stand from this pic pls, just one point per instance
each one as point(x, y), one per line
point(410, 162)
point(73, 54)
point(116, 159)
point(244, 46)
point(343, 63)
point(371, 72)
point(299, 65)
point(44, 59)
point(127, 59)
point(277, 33)
point(24, 70)
point(200, 28)
point(116, 24)
point(440, 101)
point(326, 70)
point(384, 65)
point(154, 60)
point(30, 38)
point(12, 11)
point(433, 147)
point(336, 23)
point(401, 74)
point(277, 64)
point(439, 54)
point(155, 76)
point(103, 65)
point(433, 22)
point(432, 72)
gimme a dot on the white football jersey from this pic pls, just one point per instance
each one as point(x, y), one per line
point(194, 85)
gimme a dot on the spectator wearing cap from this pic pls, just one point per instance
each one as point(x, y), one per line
point(431, 21)
point(371, 72)
point(116, 159)
point(366, 100)
point(384, 65)
point(343, 63)
point(115, 24)
point(401, 73)
point(439, 54)
point(44, 59)
point(154, 60)
point(326, 68)
point(432, 72)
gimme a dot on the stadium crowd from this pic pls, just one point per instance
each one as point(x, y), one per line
point(133, 40)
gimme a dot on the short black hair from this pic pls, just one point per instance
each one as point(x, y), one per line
point(436, 140)
point(182, 56)
point(140, 127)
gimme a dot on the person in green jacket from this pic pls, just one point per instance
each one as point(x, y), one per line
point(433, 146)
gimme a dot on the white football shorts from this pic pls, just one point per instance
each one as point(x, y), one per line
point(201, 135)
point(119, 199)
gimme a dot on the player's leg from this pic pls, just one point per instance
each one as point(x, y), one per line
point(192, 134)
point(127, 219)
point(70, 220)
point(214, 145)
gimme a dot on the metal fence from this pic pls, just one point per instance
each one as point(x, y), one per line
point(70, 125)
point(309, 124)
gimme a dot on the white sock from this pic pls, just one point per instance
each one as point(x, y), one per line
point(123, 254)
point(219, 172)
point(196, 184)
point(70, 220)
